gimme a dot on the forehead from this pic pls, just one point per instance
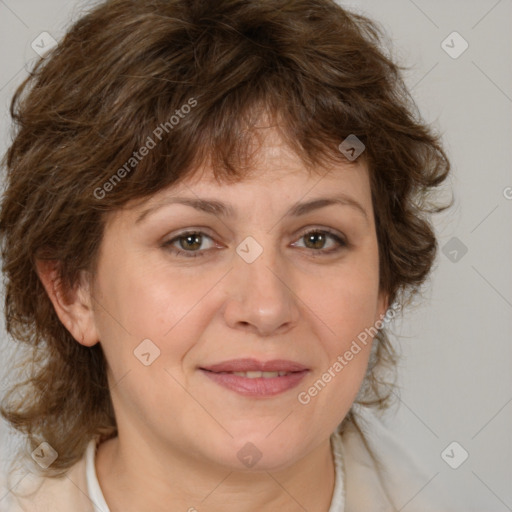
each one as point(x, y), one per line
point(276, 173)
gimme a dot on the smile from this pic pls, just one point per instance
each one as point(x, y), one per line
point(257, 384)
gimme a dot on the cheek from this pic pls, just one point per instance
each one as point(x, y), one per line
point(140, 301)
point(346, 300)
point(344, 313)
point(346, 307)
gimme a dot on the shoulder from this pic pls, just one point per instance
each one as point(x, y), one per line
point(24, 490)
point(380, 474)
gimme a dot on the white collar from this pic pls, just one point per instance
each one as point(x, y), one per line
point(100, 505)
point(93, 486)
point(338, 496)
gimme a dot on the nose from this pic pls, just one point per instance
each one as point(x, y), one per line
point(260, 296)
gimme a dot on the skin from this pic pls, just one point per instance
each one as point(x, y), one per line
point(179, 432)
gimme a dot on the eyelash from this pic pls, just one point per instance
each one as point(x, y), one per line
point(194, 254)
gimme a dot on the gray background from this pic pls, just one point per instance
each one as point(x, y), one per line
point(456, 378)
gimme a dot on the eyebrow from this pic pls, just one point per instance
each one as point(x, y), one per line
point(218, 208)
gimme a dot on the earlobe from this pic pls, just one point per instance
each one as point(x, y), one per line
point(73, 306)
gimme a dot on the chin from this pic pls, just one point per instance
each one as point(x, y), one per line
point(264, 450)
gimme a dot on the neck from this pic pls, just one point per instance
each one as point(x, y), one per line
point(134, 477)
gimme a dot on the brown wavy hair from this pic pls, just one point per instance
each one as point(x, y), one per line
point(125, 68)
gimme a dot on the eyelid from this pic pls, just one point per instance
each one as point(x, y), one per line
point(322, 229)
point(194, 230)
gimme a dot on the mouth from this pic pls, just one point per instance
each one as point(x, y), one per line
point(249, 377)
point(255, 374)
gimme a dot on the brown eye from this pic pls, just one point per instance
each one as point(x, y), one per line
point(188, 244)
point(315, 240)
point(192, 241)
point(323, 241)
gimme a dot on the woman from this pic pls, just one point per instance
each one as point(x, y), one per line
point(211, 211)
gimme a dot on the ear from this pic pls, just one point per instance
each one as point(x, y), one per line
point(73, 306)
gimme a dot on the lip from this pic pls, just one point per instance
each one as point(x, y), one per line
point(258, 387)
point(253, 365)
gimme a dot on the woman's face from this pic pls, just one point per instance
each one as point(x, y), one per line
point(282, 268)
